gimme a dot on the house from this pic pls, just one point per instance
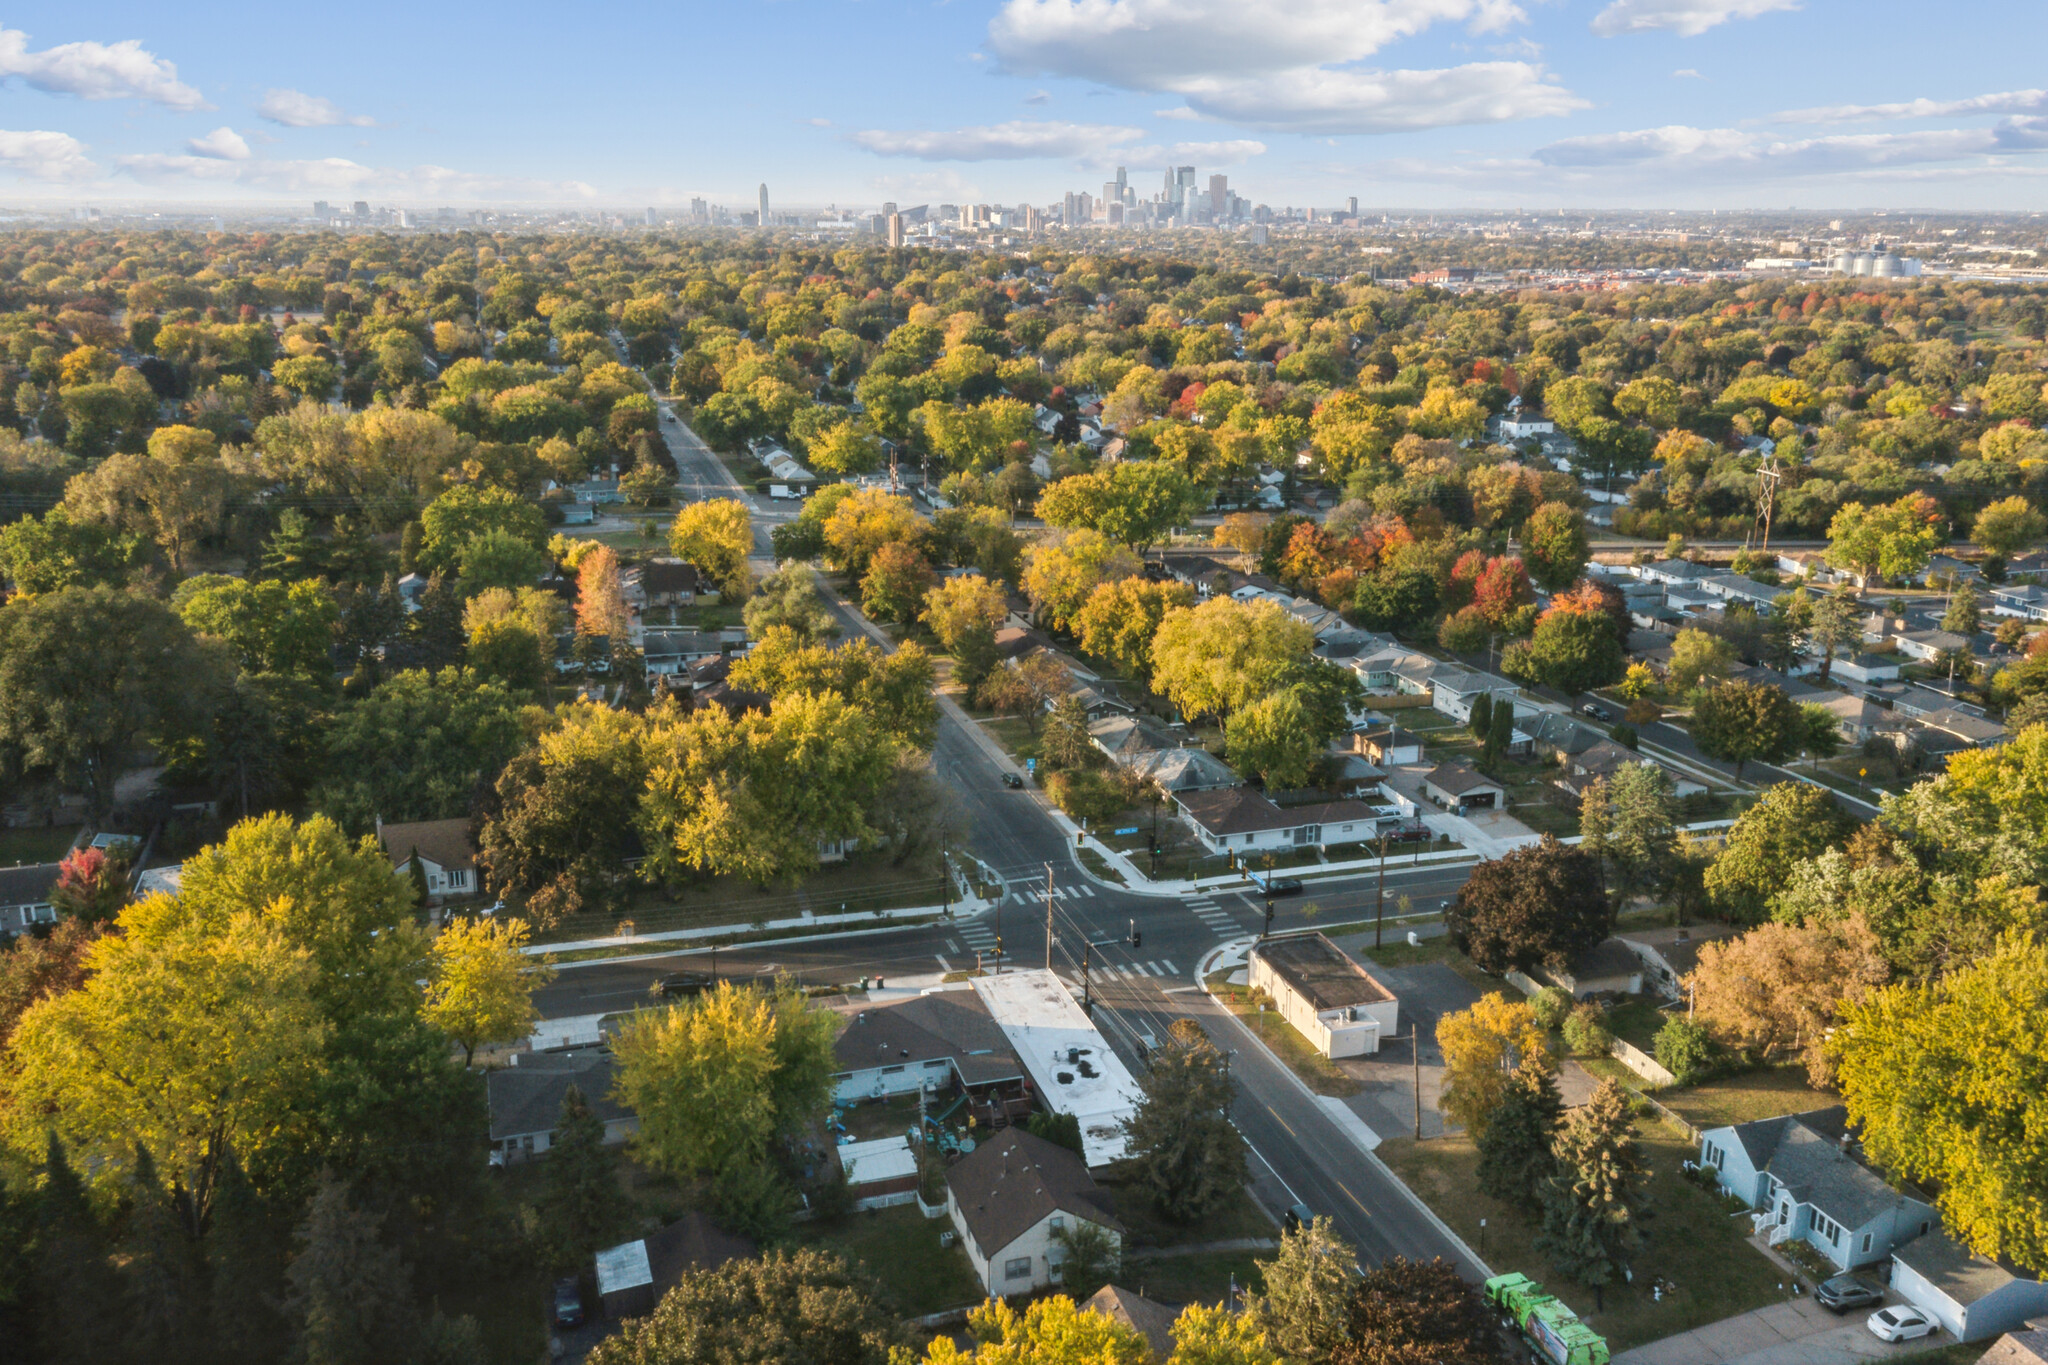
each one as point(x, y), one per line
point(446, 852)
point(1801, 1174)
point(1859, 718)
point(1667, 954)
point(526, 1100)
point(25, 896)
point(1009, 1197)
point(669, 652)
point(1558, 736)
point(1733, 587)
point(1152, 1320)
point(1925, 644)
point(1948, 569)
point(1351, 775)
point(1185, 770)
point(665, 583)
point(1606, 758)
point(1238, 819)
point(1811, 564)
point(2028, 601)
point(1126, 739)
point(1459, 786)
point(2027, 564)
point(1330, 999)
point(1389, 668)
point(1866, 668)
point(2028, 1347)
point(633, 1277)
point(1971, 1296)
point(1387, 745)
point(945, 1040)
point(1609, 967)
point(1672, 573)
point(1974, 732)
point(1454, 689)
point(1201, 573)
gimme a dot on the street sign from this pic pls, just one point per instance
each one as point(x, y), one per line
point(1030, 765)
point(1133, 829)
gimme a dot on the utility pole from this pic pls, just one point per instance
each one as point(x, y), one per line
point(1415, 1036)
point(945, 881)
point(1379, 895)
point(1048, 916)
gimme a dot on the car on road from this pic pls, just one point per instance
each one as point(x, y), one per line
point(677, 985)
point(1899, 1323)
point(1297, 1217)
point(1844, 1292)
point(1012, 781)
point(1596, 712)
point(1280, 886)
point(568, 1303)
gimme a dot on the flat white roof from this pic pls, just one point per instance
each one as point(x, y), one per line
point(1066, 1058)
point(623, 1267)
point(867, 1163)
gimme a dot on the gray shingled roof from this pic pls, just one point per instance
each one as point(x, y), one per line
point(1804, 1152)
point(1954, 1269)
point(953, 1024)
point(28, 884)
point(527, 1098)
point(1154, 1320)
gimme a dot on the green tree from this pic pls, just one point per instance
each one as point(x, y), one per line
point(1685, 1049)
point(893, 691)
point(1515, 1143)
point(1893, 541)
point(1305, 1311)
point(273, 627)
point(1743, 722)
point(1480, 721)
point(1065, 743)
point(1789, 824)
point(2007, 526)
point(350, 1289)
point(498, 558)
point(454, 730)
point(789, 598)
point(1135, 502)
point(804, 1305)
point(57, 552)
point(467, 511)
point(1572, 651)
point(1965, 611)
point(482, 986)
point(581, 1204)
point(1698, 659)
point(1945, 1082)
point(715, 1079)
point(1407, 1312)
point(559, 831)
point(1593, 1206)
point(963, 613)
point(307, 376)
point(1554, 546)
point(1090, 1257)
point(1184, 1151)
point(717, 536)
point(1820, 733)
point(1540, 905)
point(1273, 739)
point(1629, 822)
point(88, 676)
point(1212, 659)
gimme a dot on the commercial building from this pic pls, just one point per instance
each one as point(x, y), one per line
point(1330, 999)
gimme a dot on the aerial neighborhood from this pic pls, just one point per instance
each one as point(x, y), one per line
point(1137, 779)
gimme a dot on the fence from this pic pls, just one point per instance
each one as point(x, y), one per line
point(1642, 1063)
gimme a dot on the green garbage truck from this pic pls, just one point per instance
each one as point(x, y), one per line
point(1552, 1330)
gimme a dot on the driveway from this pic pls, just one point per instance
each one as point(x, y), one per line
point(1797, 1333)
point(1489, 833)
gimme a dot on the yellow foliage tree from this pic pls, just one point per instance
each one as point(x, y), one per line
point(482, 986)
point(716, 535)
point(1480, 1046)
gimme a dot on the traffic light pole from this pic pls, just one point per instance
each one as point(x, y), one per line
point(1379, 896)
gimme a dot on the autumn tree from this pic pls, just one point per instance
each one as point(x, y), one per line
point(1541, 905)
point(1133, 503)
point(1554, 546)
point(802, 1305)
point(789, 598)
point(481, 988)
point(1944, 1083)
point(1743, 722)
point(1050, 1330)
point(1892, 541)
point(1593, 1204)
point(1212, 659)
point(1778, 990)
point(1482, 1047)
point(1186, 1154)
point(1698, 659)
point(1787, 825)
point(963, 612)
point(893, 690)
point(1405, 1312)
point(2007, 526)
point(1305, 1311)
point(860, 525)
point(1121, 617)
point(600, 604)
point(716, 535)
point(1060, 574)
point(1026, 687)
point(897, 579)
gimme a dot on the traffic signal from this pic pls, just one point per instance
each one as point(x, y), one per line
point(1137, 939)
point(1269, 914)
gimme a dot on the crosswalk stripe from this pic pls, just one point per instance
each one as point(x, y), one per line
point(1088, 891)
point(1153, 967)
point(1171, 970)
point(951, 946)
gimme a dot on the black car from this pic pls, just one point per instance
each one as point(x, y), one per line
point(1845, 1292)
point(1282, 886)
point(681, 985)
point(1596, 712)
point(1012, 780)
point(1297, 1217)
point(568, 1303)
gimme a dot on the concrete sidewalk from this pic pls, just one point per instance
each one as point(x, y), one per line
point(1800, 1332)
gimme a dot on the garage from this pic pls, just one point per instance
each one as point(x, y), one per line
point(1459, 786)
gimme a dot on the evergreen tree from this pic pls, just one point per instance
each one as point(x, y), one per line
point(1500, 732)
point(348, 1289)
point(78, 1305)
point(580, 1202)
point(1306, 1307)
point(246, 1248)
point(293, 551)
point(165, 1319)
point(1187, 1155)
point(1515, 1145)
point(1592, 1203)
point(1480, 722)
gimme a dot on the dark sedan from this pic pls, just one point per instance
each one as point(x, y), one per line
point(1845, 1292)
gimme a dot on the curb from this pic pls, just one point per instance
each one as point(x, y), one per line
point(691, 947)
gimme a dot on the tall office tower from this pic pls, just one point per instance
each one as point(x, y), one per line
point(322, 210)
point(1184, 191)
point(763, 220)
point(650, 217)
point(1351, 206)
point(699, 211)
point(1219, 196)
point(1110, 195)
point(888, 208)
point(361, 211)
point(895, 228)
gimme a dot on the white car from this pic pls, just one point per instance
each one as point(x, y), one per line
point(1900, 1323)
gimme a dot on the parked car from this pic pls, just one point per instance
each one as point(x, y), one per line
point(568, 1303)
point(1012, 781)
point(1596, 712)
point(1900, 1323)
point(1844, 1292)
point(1297, 1217)
point(682, 984)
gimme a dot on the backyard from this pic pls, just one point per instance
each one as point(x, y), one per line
point(900, 1248)
point(35, 844)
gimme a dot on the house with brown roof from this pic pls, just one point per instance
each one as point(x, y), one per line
point(1237, 819)
point(1147, 1317)
point(1606, 758)
point(665, 583)
point(446, 852)
point(1008, 1199)
point(946, 1039)
point(1329, 998)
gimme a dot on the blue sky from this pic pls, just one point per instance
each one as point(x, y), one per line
point(1403, 103)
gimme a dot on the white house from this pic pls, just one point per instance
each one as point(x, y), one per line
point(445, 851)
point(1009, 1197)
point(1800, 1173)
point(1970, 1296)
point(1239, 820)
point(1326, 995)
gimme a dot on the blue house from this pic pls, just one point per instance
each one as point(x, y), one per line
point(1801, 1174)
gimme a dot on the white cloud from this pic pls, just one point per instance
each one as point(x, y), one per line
point(338, 174)
point(2007, 102)
point(819, 122)
point(1686, 73)
point(1278, 64)
point(45, 156)
point(97, 71)
point(1324, 101)
point(1039, 97)
point(296, 109)
point(222, 144)
point(1731, 152)
point(1232, 152)
point(1180, 114)
point(1686, 18)
point(1012, 141)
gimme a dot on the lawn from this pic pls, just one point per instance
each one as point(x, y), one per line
point(1635, 1020)
point(35, 844)
point(1146, 1228)
point(1692, 1244)
point(1750, 1095)
point(1318, 1072)
point(1202, 1278)
point(1437, 948)
point(1100, 866)
point(900, 1247)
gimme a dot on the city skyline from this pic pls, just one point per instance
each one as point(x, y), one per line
point(1449, 104)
